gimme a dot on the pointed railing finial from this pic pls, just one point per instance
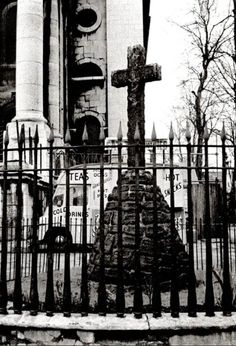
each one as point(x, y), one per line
point(6, 137)
point(51, 135)
point(223, 133)
point(67, 136)
point(102, 134)
point(171, 133)
point(188, 133)
point(120, 134)
point(36, 136)
point(154, 135)
point(85, 134)
point(137, 133)
point(206, 133)
point(22, 133)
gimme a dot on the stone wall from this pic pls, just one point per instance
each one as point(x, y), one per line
point(90, 52)
point(123, 16)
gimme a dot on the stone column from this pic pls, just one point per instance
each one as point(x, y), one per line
point(54, 74)
point(29, 74)
point(62, 52)
point(29, 61)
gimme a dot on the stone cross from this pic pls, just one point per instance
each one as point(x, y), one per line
point(135, 77)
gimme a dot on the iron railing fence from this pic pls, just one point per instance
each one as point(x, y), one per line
point(58, 215)
point(199, 244)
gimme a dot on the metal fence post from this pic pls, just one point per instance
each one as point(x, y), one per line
point(3, 282)
point(192, 299)
point(174, 294)
point(102, 286)
point(30, 147)
point(84, 283)
point(227, 295)
point(209, 296)
point(17, 300)
point(49, 302)
point(138, 298)
point(34, 298)
point(67, 284)
point(156, 297)
point(120, 297)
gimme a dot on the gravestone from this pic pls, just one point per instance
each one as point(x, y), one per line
point(135, 77)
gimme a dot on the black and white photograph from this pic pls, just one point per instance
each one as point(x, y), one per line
point(118, 172)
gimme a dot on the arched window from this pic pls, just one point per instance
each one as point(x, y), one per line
point(93, 129)
point(88, 69)
point(88, 72)
point(8, 33)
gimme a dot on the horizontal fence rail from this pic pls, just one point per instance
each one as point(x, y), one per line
point(81, 231)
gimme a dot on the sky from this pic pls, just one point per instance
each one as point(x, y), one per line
point(167, 47)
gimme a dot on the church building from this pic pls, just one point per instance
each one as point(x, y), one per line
point(56, 59)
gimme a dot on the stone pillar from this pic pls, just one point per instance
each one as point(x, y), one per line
point(29, 74)
point(62, 52)
point(29, 61)
point(54, 74)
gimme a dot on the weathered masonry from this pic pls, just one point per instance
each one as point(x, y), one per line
point(56, 61)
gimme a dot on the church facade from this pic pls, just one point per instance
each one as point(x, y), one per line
point(56, 59)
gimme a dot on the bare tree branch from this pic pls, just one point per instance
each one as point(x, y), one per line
point(208, 85)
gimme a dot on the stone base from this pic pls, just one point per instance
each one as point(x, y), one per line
point(111, 330)
point(165, 258)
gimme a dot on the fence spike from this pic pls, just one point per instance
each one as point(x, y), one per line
point(17, 131)
point(22, 133)
point(67, 136)
point(223, 133)
point(51, 136)
point(154, 135)
point(6, 137)
point(206, 133)
point(188, 133)
point(120, 134)
point(85, 134)
point(36, 136)
point(171, 133)
point(102, 134)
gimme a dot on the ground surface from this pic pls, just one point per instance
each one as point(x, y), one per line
point(111, 291)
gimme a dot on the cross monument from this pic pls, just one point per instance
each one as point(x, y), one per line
point(135, 77)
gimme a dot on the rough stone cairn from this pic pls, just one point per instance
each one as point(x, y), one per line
point(165, 258)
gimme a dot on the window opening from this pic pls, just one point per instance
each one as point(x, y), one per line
point(10, 40)
point(87, 17)
point(88, 72)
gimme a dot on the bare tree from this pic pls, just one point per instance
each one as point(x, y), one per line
point(209, 33)
point(226, 70)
